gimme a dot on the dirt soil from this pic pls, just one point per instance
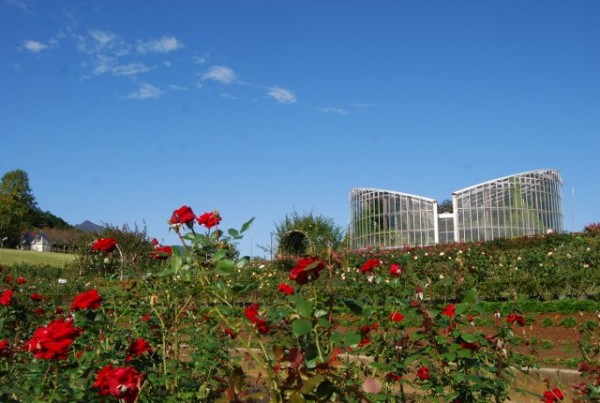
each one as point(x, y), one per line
point(555, 345)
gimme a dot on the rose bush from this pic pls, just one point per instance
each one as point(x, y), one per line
point(201, 324)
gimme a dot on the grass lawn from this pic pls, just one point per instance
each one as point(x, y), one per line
point(13, 256)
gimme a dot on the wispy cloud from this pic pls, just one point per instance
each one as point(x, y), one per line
point(103, 38)
point(24, 5)
point(131, 69)
point(146, 91)
point(166, 44)
point(362, 105)
point(175, 87)
point(34, 46)
point(222, 74)
point(332, 109)
point(281, 95)
point(199, 59)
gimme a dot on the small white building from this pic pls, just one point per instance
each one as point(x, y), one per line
point(41, 244)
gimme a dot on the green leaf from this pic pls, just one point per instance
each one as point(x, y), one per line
point(311, 384)
point(460, 308)
point(304, 308)
point(242, 263)
point(470, 296)
point(246, 225)
point(219, 255)
point(233, 232)
point(323, 323)
point(301, 327)
point(225, 266)
point(354, 305)
point(410, 359)
point(296, 397)
point(352, 338)
point(469, 337)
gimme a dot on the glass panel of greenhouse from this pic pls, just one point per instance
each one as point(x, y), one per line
point(386, 219)
point(523, 204)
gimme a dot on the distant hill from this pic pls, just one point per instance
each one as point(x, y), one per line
point(89, 226)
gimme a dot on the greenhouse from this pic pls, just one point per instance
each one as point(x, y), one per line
point(524, 204)
point(382, 218)
point(528, 203)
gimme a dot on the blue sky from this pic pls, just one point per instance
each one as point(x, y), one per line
point(121, 112)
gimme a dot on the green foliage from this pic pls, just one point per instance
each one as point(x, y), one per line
point(445, 206)
point(135, 251)
point(220, 330)
point(16, 205)
point(299, 234)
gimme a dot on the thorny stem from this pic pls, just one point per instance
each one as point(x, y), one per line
point(122, 262)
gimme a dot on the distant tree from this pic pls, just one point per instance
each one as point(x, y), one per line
point(70, 240)
point(45, 219)
point(299, 234)
point(16, 206)
point(445, 206)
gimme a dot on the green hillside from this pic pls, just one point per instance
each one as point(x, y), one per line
point(10, 257)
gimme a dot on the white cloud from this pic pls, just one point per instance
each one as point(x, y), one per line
point(221, 74)
point(103, 38)
point(165, 44)
point(175, 87)
point(199, 59)
point(332, 109)
point(281, 95)
point(101, 69)
point(34, 46)
point(131, 69)
point(146, 91)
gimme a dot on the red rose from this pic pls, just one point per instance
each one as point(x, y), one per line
point(395, 269)
point(209, 220)
point(251, 312)
point(154, 243)
point(21, 280)
point(162, 252)
point(554, 395)
point(469, 346)
point(286, 289)
point(390, 376)
point(6, 297)
point(104, 245)
point(86, 300)
point(183, 215)
point(120, 382)
point(396, 316)
point(423, 373)
point(515, 317)
point(307, 269)
point(137, 348)
point(36, 297)
point(53, 341)
point(230, 332)
point(449, 310)
point(369, 265)
point(4, 348)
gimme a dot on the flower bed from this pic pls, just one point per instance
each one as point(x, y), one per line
point(175, 331)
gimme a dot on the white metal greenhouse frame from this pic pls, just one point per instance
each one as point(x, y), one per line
point(522, 204)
